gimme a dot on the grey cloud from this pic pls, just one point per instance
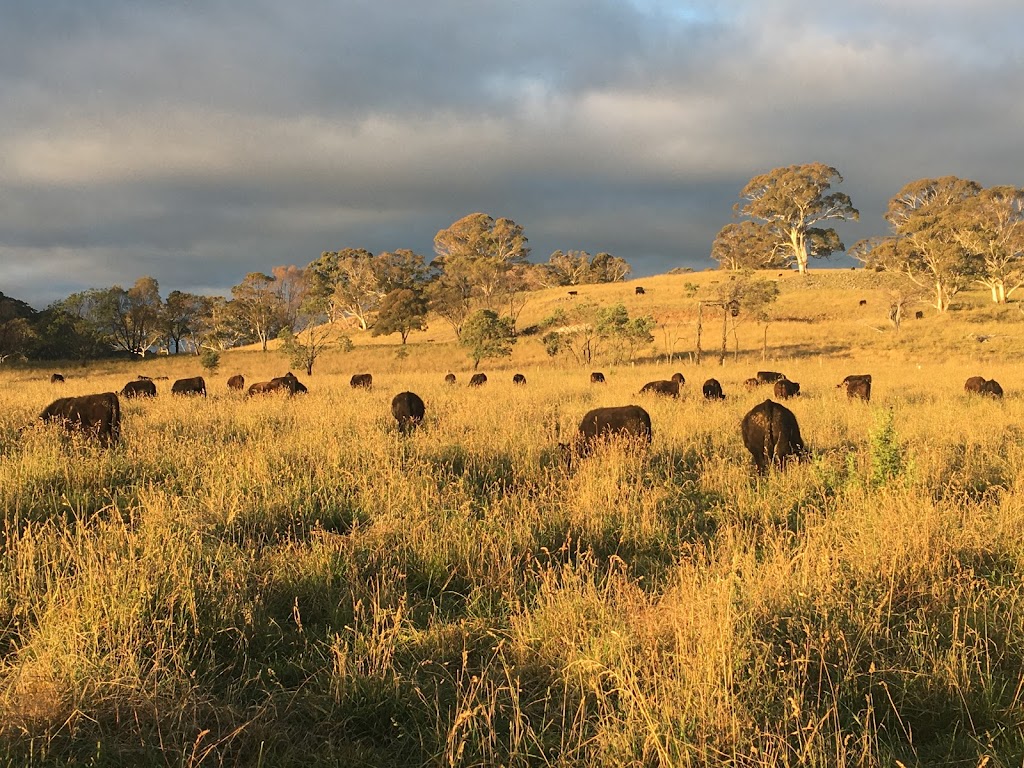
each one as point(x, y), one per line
point(197, 141)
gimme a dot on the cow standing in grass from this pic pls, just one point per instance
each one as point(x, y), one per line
point(624, 422)
point(771, 434)
point(194, 386)
point(98, 416)
point(139, 388)
point(857, 386)
point(408, 410)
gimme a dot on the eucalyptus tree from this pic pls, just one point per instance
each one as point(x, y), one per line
point(791, 203)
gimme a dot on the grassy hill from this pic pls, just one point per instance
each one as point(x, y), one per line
point(286, 582)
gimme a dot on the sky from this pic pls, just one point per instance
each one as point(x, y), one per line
point(198, 140)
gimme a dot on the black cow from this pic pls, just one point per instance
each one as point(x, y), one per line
point(752, 383)
point(96, 415)
point(863, 303)
point(477, 379)
point(712, 390)
point(771, 434)
point(630, 422)
point(449, 378)
point(573, 293)
point(982, 386)
point(407, 408)
point(287, 383)
point(919, 315)
point(597, 378)
point(857, 385)
point(519, 379)
point(639, 290)
point(785, 389)
point(56, 378)
point(769, 377)
point(139, 388)
point(667, 388)
point(364, 380)
point(236, 382)
point(194, 386)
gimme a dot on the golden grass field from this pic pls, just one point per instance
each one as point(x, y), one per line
point(288, 582)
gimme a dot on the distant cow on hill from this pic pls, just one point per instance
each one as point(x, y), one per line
point(477, 379)
point(771, 434)
point(919, 315)
point(139, 388)
point(449, 378)
point(408, 410)
point(639, 290)
point(96, 415)
point(364, 380)
point(863, 302)
point(236, 382)
point(194, 386)
point(982, 386)
point(785, 389)
point(857, 386)
point(712, 390)
point(56, 378)
point(769, 377)
point(287, 383)
point(519, 379)
point(597, 378)
point(630, 422)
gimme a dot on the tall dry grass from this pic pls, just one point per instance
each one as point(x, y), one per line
point(287, 582)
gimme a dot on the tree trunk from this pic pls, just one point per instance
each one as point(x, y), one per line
point(725, 334)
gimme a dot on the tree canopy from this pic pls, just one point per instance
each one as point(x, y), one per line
point(791, 202)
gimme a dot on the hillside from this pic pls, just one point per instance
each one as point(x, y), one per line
point(817, 315)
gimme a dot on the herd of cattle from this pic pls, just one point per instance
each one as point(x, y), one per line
point(769, 430)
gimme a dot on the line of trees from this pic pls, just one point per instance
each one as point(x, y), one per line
point(480, 265)
point(945, 233)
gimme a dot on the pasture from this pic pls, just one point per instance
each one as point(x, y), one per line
point(289, 582)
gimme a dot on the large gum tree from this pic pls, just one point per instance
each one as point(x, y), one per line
point(790, 203)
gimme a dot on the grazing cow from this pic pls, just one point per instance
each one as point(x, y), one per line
point(679, 378)
point(785, 389)
point(236, 382)
point(712, 390)
point(857, 385)
point(573, 293)
point(96, 415)
point(139, 388)
point(287, 383)
point(407, 408)
point(449, 378)
point(752, 383)
point(622, 422)
point(194, 386)
point(974, 384)
point(364, 380)
point(769, 377)
point(639, 290)
point(667, 388)
point(519, 379)
point(982, 386)
point(56, 378)
point(991, 387)
point(863, 302)
point(771, 434)
point(919, 315)
point(478, 379)
point(597, 378)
